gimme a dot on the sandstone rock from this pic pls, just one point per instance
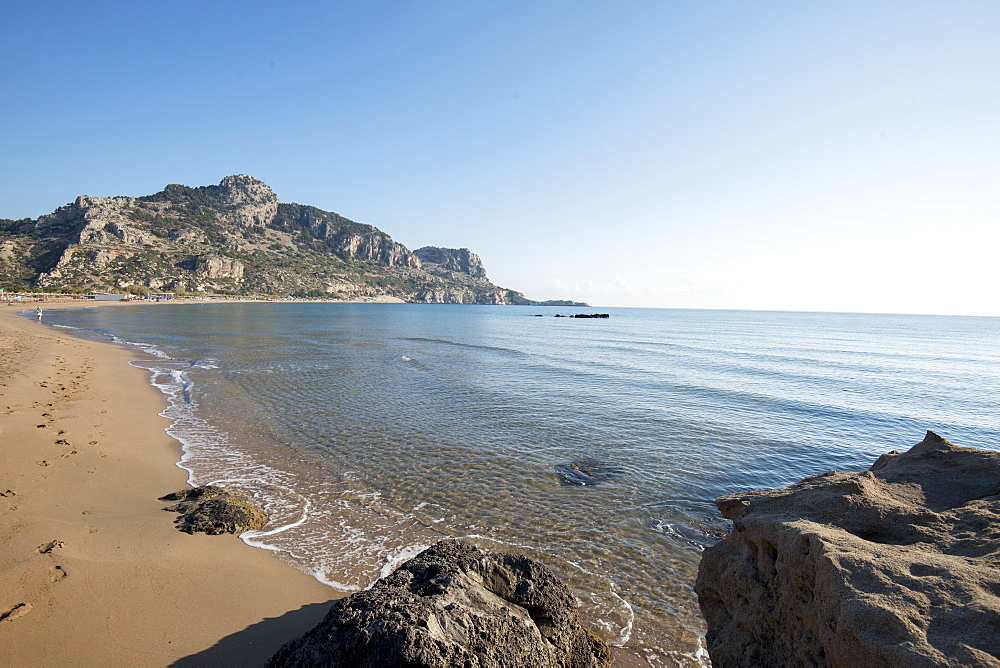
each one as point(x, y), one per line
point(895, 566)
point(214, 510)
point(453, 605)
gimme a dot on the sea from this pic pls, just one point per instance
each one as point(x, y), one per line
point(596, 445)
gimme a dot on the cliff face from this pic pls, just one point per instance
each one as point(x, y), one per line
point(895, 566)
point(449, 261)
point(235, 237)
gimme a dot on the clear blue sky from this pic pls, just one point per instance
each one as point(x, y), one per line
point(768, 155)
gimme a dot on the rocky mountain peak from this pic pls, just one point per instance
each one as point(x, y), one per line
point(235, 238)
point(243, 189)
point(253, 202)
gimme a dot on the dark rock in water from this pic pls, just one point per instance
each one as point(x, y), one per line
point(698, 536)
point(584, 315)
point(895, 566)
point(714, 533)
point(587, 471)
point(453, 605)
point(214, 510)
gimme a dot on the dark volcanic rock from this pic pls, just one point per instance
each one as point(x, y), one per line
point(895, 566)
point(214, 510)
point(453, 605)
point(587, 471)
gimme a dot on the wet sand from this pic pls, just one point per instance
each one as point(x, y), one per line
point(92, 570)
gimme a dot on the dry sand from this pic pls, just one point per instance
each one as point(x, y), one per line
point(92, 570)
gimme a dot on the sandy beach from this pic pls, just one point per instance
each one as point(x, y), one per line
point(92, 570)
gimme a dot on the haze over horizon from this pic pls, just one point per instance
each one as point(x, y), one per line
point(772, 155)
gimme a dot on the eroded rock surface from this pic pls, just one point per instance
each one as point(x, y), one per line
point(453, 605)
point(214, 510)
point(895, 566)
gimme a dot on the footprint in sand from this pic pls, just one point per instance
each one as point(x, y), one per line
point(51, 545)
point(56, 573)
point(42, 462)
point(67, 454)
point(12, 613)
point(62, 441)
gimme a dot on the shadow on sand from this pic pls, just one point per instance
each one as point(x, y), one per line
point(256, 643)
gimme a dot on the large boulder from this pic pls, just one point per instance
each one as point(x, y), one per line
point(895, 566)
point(215, 510)
point(453, 605)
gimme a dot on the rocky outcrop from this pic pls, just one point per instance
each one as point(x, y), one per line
point(451, 260)
point(214, 510)
point(94, 220)
point(471, 294)
point(246, 202)
point(895, 566)
point(215, 266)
point(453, 605)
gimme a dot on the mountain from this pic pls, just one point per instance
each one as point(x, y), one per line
point(233, 238)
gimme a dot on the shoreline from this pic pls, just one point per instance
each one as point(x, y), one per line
point(86, 458)
point(628, 653)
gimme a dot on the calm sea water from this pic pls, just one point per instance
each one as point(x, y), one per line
point(372, 430)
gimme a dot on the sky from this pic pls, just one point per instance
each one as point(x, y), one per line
point(807, 156)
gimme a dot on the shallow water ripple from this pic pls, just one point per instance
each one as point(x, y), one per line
point(370, 431)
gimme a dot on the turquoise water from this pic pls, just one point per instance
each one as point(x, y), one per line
point(371, 430)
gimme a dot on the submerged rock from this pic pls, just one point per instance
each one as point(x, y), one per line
point(214, 510)
point(587, 471)
point(453, 605)
point(895, 566)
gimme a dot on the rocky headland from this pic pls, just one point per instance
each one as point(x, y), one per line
point(233, 238)
point(453, 605)
point(898, 565)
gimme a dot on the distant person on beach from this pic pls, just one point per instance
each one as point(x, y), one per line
point(38, 310)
